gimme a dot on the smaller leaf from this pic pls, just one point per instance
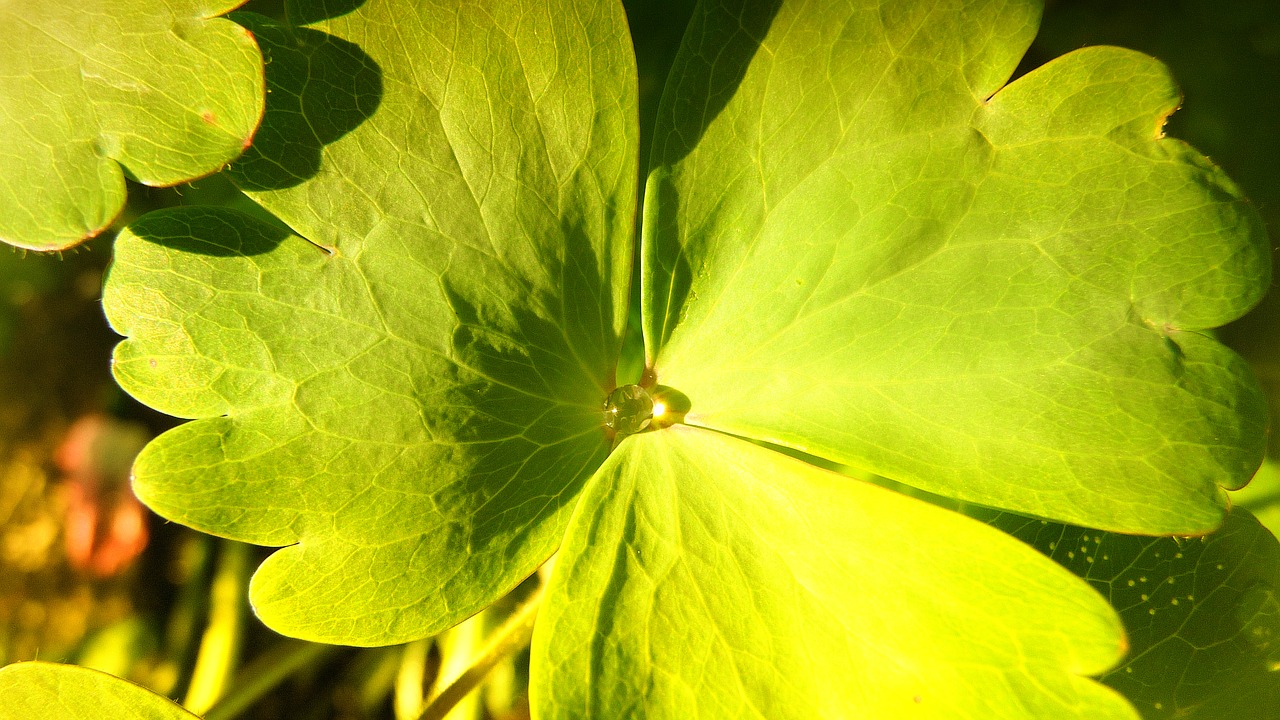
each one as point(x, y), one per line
point(706, 577)
point(162, 87)
point(48, 691)
point(1202, 613)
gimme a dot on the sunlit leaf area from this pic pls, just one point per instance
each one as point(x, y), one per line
point(504, 359)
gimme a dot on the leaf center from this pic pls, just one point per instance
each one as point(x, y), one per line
point(629, 409)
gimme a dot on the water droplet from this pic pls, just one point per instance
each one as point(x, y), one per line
point(628, 410)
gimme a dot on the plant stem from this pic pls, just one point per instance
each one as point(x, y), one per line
point(512, 637)
point(265, 672)
point(373, 675)
point(182, 631)
point(409, 679)
point(220, 646)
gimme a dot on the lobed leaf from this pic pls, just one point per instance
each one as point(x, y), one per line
point(410, 400)
point(162, 90)
point(864, 249)
point(706, 577)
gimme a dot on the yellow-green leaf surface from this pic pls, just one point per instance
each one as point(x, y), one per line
point(162, 90)
point(859, 245)
point(408, 391)
point(705, 577)
point(46, 691)
point(1203, 614)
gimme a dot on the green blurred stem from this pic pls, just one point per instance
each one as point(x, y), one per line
point(459, 646)
point(265, 672)
point(410, 678)
point(220, 646)
point(374, 676)
point(511, 638)
point(190, 572)
point(1261, 501)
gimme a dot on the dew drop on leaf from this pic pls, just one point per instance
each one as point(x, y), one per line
point(628, 410)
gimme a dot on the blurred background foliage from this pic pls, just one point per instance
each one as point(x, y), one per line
point(88, 576)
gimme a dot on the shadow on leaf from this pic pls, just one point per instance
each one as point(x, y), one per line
point(221, 232)
point(305, 12)
point(669, 290)
point(319, 88)
point(698, 91)
point(537, 373)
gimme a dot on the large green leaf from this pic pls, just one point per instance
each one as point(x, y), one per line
point(407, 387)
point(705, 577)
point(855, 246)
point(160, 87)
point(1203, 614)
point(416, 405)
point(46, 691)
